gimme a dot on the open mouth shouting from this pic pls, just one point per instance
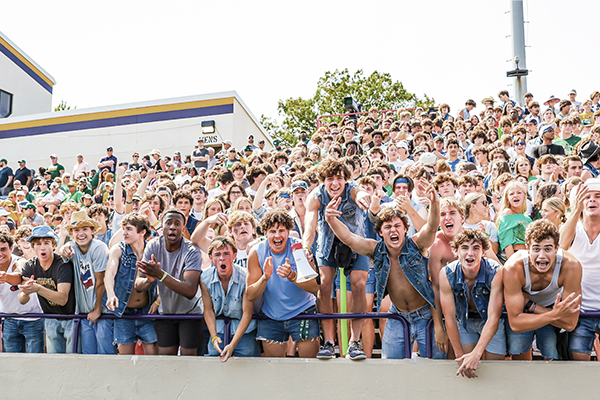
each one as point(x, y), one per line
point(542, 265)
point(395, 239)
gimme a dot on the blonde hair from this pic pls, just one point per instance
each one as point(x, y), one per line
point(557, 205)
point(510, 185)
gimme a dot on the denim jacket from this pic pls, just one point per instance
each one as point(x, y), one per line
point(413, 264)
point(352, 216)
point(480, 292)
point(230, 304)
point(125, 279)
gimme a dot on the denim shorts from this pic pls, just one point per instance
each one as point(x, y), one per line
point(370, 288)
point(473, 332)
point(298, 329)
point(246, 347)
point(545, 338)
point(581, 340)
point(20, 335)
point(362, 263)
point(392, 344)
point(127, 331)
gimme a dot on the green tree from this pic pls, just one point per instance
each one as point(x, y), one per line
point(63, 106)
point(378, 90)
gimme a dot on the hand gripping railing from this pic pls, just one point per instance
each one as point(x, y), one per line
point(227, 334)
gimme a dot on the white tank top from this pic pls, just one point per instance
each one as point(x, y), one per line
point(547, 296)
point(588, 255)
point(9, 300)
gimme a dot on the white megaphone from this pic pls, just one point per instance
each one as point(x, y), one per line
point(304, 271)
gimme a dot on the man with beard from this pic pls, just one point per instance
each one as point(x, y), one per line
point(176, 263)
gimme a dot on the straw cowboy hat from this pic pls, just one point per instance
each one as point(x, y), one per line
point(80, 219)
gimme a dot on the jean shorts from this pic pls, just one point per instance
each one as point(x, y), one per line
point(279, 331)
point(392, 343)
point(473, 332)
point(545, 338)
point(581, 340)
point(127, 331)
point(370, 288)
point(362, 263)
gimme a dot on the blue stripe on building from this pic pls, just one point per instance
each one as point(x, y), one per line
point(117, 121)
point(25, 68)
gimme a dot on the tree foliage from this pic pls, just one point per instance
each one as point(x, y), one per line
point(378, 90)
point(63, 106)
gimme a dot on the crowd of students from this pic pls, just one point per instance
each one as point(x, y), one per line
point(461, 218)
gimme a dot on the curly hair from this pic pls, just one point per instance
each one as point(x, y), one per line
point(469, 235)
point(332, 167)
point(387, 215)
point(276, 217)
point(540, 230)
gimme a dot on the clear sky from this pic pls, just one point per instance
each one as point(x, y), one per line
point(113, 52)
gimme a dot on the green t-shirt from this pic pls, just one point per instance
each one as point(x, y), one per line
point(55, 169)
point(568, 144)
point(76, 197)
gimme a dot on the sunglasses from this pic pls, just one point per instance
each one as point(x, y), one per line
point(485, 203)
point(520, 144)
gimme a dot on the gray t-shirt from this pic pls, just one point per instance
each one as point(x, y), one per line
point(186, 258)
point(85, 267)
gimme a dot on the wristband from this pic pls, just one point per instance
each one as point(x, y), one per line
point(528, 306)
point(163, 277)
point(212, 340)
point(128, 202)
point(156, 225)
point(533, 309)
point(293, 276)
point(157, 303)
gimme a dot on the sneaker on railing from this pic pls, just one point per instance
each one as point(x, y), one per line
point(354, 352)
point(327, 351)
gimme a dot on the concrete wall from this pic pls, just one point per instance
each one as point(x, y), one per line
point(29, 97)
point(124, 377)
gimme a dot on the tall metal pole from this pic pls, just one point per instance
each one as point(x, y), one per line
point(518, 48)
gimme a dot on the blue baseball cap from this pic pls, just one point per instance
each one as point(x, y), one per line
point(299, 185)
point(42, 232)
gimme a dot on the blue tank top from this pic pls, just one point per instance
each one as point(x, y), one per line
point(282, 298)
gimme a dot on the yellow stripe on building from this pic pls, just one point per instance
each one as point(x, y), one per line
point(116, 113)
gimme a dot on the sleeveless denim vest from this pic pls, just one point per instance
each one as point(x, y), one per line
point(413, 264)
point(480, 292)
point(352, 216)
point(125, 279)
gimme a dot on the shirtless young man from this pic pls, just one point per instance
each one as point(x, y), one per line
point(542, 290)
point(401, 267)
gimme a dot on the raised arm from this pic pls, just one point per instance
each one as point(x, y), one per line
point(118, 192)
point(200, 235)
point(144, 185)
point(310, 220)
point(260, 192)
point(426, 236)
point(567, 231)
point(358, 244)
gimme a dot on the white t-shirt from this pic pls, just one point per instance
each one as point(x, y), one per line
point(589, 257)
point(490, 229)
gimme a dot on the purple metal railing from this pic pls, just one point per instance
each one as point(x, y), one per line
point(227, 335)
